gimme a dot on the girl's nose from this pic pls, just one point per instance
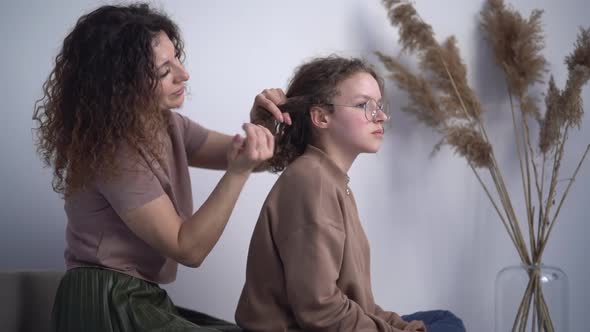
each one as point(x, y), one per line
point(381, 116)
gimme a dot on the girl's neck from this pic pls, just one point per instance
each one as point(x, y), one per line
point(339, 156)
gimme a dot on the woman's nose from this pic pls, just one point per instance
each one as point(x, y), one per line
point(181, 74)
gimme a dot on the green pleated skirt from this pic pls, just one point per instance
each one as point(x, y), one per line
point(94, 299)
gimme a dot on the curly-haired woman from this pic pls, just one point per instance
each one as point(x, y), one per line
point(308, 264)
point(120, 157)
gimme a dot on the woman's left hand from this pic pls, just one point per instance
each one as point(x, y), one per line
point(268, 101)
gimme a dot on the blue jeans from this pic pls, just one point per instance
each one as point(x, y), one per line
point(437, 320)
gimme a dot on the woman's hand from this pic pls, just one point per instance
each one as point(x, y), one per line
point(267, 101)
point(248, 152)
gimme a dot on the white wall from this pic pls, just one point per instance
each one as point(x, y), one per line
point(436, 242)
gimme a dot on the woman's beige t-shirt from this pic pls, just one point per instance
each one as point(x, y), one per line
point(97, 236)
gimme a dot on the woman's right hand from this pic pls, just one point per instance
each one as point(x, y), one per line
point(248, 152)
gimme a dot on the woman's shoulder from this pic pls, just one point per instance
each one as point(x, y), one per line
point(177, 122)
point(182, 128)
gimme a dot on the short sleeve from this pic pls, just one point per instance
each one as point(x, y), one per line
point(133, 186)
point(193, 134)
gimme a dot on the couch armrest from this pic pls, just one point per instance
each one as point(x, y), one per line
point(27, 299)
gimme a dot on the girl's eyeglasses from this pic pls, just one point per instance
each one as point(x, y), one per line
point(371, 109)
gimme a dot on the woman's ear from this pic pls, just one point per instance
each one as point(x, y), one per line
point(320, 117)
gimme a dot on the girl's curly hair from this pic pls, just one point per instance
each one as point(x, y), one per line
point(101, 93)
point(314, 83)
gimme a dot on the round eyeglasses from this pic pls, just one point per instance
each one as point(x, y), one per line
point(371, 109)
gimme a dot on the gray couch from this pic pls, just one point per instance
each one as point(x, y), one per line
point(27, 299)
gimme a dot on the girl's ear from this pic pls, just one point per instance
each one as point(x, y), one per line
point(320, 117)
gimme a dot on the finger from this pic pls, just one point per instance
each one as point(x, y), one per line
point(267, 146)
point(260, 140)
point(281, 98)
point(276, 95)
point(282, 94)
point(270, 140)
point(236, 144)
point(409, 326)
point(251, 139)
point(287, 118)
point(238, 141)
point(416, 325)
point(267, 104)
point(261, 106)
point(421, 326)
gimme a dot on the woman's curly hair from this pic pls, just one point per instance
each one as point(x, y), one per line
point(102, 92)
point(314, 83)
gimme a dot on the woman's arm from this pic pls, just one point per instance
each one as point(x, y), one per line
point(213, 153)
point(190, 241)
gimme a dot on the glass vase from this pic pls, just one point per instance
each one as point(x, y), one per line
point(531, 298)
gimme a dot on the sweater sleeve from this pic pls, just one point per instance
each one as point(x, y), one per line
point(311, 250)
point(312, 257)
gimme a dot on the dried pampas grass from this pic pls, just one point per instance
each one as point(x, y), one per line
point(441, 98)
